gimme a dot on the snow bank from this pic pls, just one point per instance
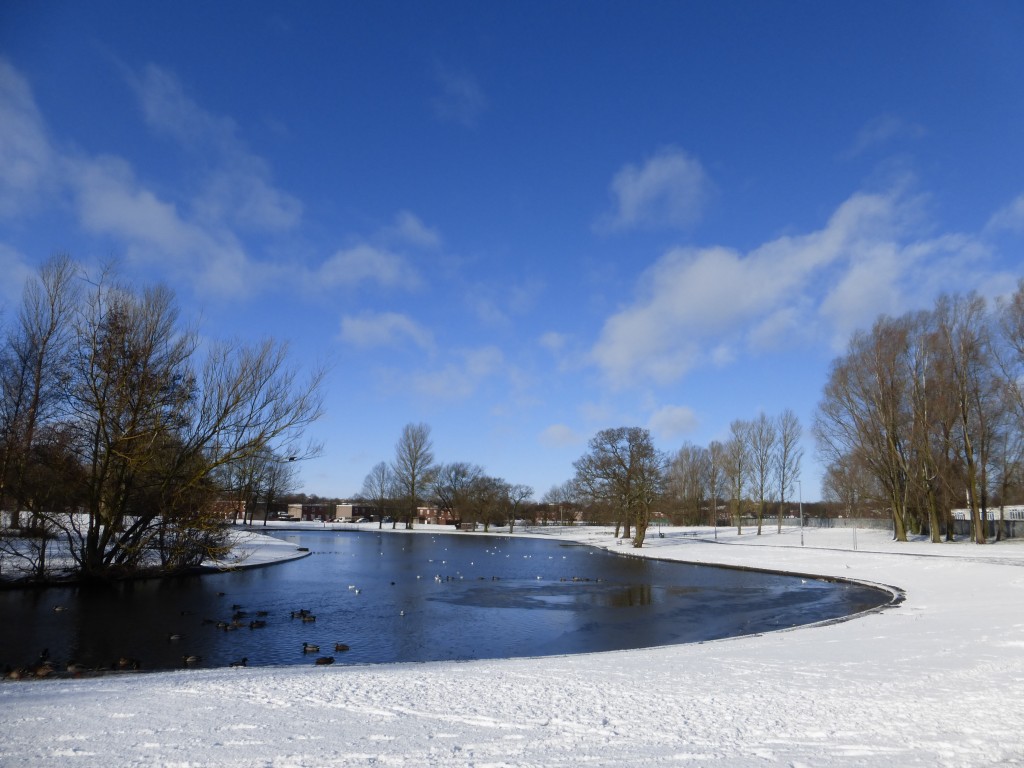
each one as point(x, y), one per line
point(931, 681)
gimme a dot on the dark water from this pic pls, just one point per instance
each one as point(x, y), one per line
point(414, 598)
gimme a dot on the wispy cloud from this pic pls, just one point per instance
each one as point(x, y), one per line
point(110, 201)
point(560, 435)
point(672, 421)
point(459, 99)
point(27, 159)
point(460, 378)
point(195, 239)
point(384, 329)
point(237, 184)
point(1009, 218)
point(881, 131)
point(497, 304)
point(553, 341)
point(365, 263)
point(16, 271)
point(385, 257)
point(695, 306)
point(408, 228)
point(669, 190)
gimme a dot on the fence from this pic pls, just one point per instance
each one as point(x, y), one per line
point(961, 527)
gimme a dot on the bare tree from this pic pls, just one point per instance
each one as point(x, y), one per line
point(32, 374)
point(413, 468)
point(847, 483)
point(131, 386)
point(1008, 351)
point(279, 478)
point(762, 436)
point(715, 477)
point(787, 459)
point(453, 486)
point(963, 326)
point(518, 495)
point(563, 499)
point(865, 412)
point(736, 467)
point(687, 481)
point(489, 500)
point(107, 408)
point(624, 470)
point(379, 489)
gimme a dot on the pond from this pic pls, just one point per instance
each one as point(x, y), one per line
point(390, 597)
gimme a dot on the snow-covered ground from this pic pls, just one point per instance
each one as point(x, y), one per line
point(935, 680)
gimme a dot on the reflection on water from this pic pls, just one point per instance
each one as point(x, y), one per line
point(395, 597)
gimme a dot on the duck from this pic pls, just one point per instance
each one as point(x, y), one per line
point(308, 618)
point(191, 660)
point(309, 648)
point(325, 660)
point(174, 637)
point(339, 647)
point(257, 624)
point(240, 662)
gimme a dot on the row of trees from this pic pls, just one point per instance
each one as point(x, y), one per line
point(925, 413)
point(460, 490)
point(120, 433)
point(624, 479)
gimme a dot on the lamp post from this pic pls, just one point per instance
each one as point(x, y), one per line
point(800, 487)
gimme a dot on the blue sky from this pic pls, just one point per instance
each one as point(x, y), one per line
point(523, 222)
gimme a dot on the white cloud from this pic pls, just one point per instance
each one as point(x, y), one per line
point(459, 380)
point(168, 110)
point(553, 341)
point(16, 271)
point(26, 156)
point(669, 190)
point(380, 329)
point(236, 184)
point(110, 201)
point(381, 257)
point(409, 228)
point(882, 130)
point(694, 304)
point(242, 194)
point(460, 98)
point(497, 304)
point(672, 421)
point(195, 239)
point(1009, 218)
point(367, 263)
point(560, 435)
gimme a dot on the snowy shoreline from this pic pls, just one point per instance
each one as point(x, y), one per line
point(930, 681)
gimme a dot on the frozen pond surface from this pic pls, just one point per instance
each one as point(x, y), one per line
point(420, 597)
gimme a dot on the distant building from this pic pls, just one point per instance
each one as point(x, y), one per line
point(314, 512)
point(1009, 513)
point(349, 513)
